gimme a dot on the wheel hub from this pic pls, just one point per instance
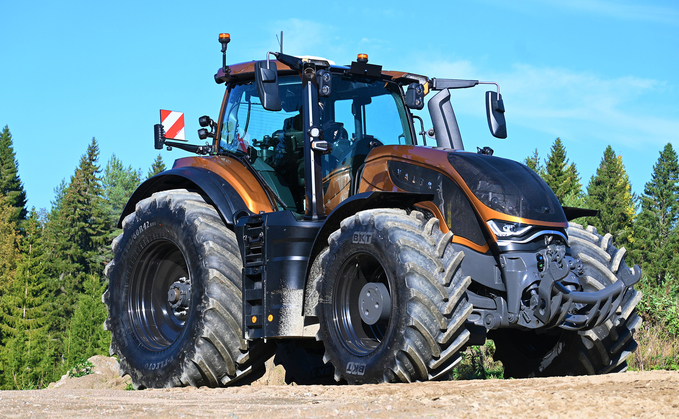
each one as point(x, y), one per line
point(179, 296)
point(374, 302)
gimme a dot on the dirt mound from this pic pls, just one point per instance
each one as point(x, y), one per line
point(105, 375)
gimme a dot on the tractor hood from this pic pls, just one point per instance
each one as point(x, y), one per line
point(507, 187)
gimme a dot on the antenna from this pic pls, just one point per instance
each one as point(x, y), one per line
point(280, 41)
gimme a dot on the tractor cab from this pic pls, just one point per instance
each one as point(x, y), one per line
point(354, 117)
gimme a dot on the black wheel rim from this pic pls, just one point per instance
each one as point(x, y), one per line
point(357, 336)
point(154, 322)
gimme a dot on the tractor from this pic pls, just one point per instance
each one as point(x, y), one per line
point(317, 224)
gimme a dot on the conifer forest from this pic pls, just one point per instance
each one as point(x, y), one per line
point(52, 261)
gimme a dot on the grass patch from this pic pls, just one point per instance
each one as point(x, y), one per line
point(658, 336)
point(477, 364)
point(81, 368)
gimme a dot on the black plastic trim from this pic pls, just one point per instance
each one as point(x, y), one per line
point(215, 189)
point(573, 212)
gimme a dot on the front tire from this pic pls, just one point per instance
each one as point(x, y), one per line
point(174, 296)
point(392, 303)
point(603, 349)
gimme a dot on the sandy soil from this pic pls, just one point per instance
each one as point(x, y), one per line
point(631, 394)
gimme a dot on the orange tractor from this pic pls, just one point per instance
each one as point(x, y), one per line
point(317, 223)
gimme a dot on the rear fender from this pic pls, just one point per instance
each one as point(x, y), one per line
point(216, 191)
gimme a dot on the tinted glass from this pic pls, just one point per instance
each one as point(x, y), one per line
point(357, 114)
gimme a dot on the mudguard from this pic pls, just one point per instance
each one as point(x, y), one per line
point(214, 188)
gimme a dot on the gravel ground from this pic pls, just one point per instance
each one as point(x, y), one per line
point(631, 394)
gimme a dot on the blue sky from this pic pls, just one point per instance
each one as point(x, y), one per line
point(593, 72)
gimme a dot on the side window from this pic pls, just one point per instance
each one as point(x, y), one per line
point(384, 122)
point(356, 119)
point(343, 114)
point(380, 119)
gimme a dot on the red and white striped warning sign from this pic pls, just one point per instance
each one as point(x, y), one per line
point(173, 124)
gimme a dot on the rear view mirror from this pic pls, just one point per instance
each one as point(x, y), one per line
point(266, 78)
point(495, 111)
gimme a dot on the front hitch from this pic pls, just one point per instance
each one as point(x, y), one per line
point(576, 310)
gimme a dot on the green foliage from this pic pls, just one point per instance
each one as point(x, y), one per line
point(75, 236)
point(610, 192)
point(8, 243)
point(51, 314)
point(118, 183)
point(26, 312)
point(561, 177)
point(658, 336)
point(59, 192)
point(656, 243)
point(658, 306)
point(82, 215)
point(87, 334)
point(10, 183)
point(477, 363)
point(533, 162)
point(157, 167)
point(82, 368)
point(74, 244)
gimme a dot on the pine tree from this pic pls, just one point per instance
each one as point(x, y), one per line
point(610, 192)
point(26, 315)
point(118, 184)
point(8, 244)
point(157, 167)
point(10, 183)
point(82, 224)
point(533, 162)
point(75, 239)
point(560, 176)
point(59, 192)
point(87, 334)
point(656, 245)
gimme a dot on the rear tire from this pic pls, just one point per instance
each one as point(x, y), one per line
point(603, 349)
point(174, 297)
point(387, 257)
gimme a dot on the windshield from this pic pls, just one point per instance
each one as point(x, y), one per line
point(247, 124)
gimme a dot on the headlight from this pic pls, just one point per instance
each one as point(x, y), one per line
point(507, 228)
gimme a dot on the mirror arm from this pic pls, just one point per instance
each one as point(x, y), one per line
point(442, 84)
point(492, 82)
point(289, 60)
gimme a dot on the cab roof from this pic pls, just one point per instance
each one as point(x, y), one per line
point(246, 71)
